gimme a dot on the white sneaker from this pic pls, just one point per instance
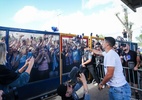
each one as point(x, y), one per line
point(95, 84)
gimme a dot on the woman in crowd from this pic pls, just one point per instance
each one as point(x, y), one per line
point(42, 61)
point(9, 78)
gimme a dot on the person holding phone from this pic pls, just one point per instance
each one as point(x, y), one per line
point(9, 78)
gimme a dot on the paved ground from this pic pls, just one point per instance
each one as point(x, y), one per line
point(94, 93)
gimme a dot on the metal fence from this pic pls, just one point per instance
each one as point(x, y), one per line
point(134, 78)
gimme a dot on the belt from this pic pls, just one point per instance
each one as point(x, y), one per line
point(119, 86)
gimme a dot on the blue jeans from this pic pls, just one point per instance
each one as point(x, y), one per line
point(20, 81)
point(77, 87)
point(120, 93)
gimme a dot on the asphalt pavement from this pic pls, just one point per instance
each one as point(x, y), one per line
point(95, 94)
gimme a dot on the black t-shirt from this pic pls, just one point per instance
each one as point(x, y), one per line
point(130, 56)
point(92, 61)
point(120, 52)
point(7, 76)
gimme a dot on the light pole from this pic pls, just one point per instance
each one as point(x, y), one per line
point(58, 15)
point(128, 25)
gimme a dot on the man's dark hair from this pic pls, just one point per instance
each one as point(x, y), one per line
point(110, 40)
point(61, 90)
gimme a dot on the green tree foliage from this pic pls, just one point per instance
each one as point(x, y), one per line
point(101, 36)
point(139, 39)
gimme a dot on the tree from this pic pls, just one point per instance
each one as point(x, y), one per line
point(127, 25)
point(139, 39)
point(101, 36)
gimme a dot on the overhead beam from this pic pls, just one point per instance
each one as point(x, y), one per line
point(129, 4)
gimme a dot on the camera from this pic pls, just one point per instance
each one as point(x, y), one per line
point(78, 74)
point(75, 72)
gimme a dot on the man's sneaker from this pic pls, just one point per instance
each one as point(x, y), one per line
point(96, 84)
point(137, 95)
point(93, 81)
point(88, 82)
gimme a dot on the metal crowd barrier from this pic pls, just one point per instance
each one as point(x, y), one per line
point(129, 75)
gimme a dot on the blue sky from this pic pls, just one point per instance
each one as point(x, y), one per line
point(71, 16)
point(8, 8)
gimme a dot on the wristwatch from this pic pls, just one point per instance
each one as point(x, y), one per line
point(101, 84)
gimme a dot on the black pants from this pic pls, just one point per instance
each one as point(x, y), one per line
point(93, 73)
point(91, 69)
point(84, 70)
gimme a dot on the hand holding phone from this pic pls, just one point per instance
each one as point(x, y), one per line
point(28, 59)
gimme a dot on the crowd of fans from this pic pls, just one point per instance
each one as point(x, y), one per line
point(45, 50)
point(131, 60)
point(72, 51)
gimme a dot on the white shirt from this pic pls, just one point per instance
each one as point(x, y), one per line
point(112, 59)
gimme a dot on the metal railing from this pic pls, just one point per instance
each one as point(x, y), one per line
point(134, 78)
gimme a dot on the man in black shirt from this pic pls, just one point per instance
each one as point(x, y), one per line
point(87, 62)
point(132, 61)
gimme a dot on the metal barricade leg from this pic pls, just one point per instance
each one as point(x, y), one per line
point(140, 86)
